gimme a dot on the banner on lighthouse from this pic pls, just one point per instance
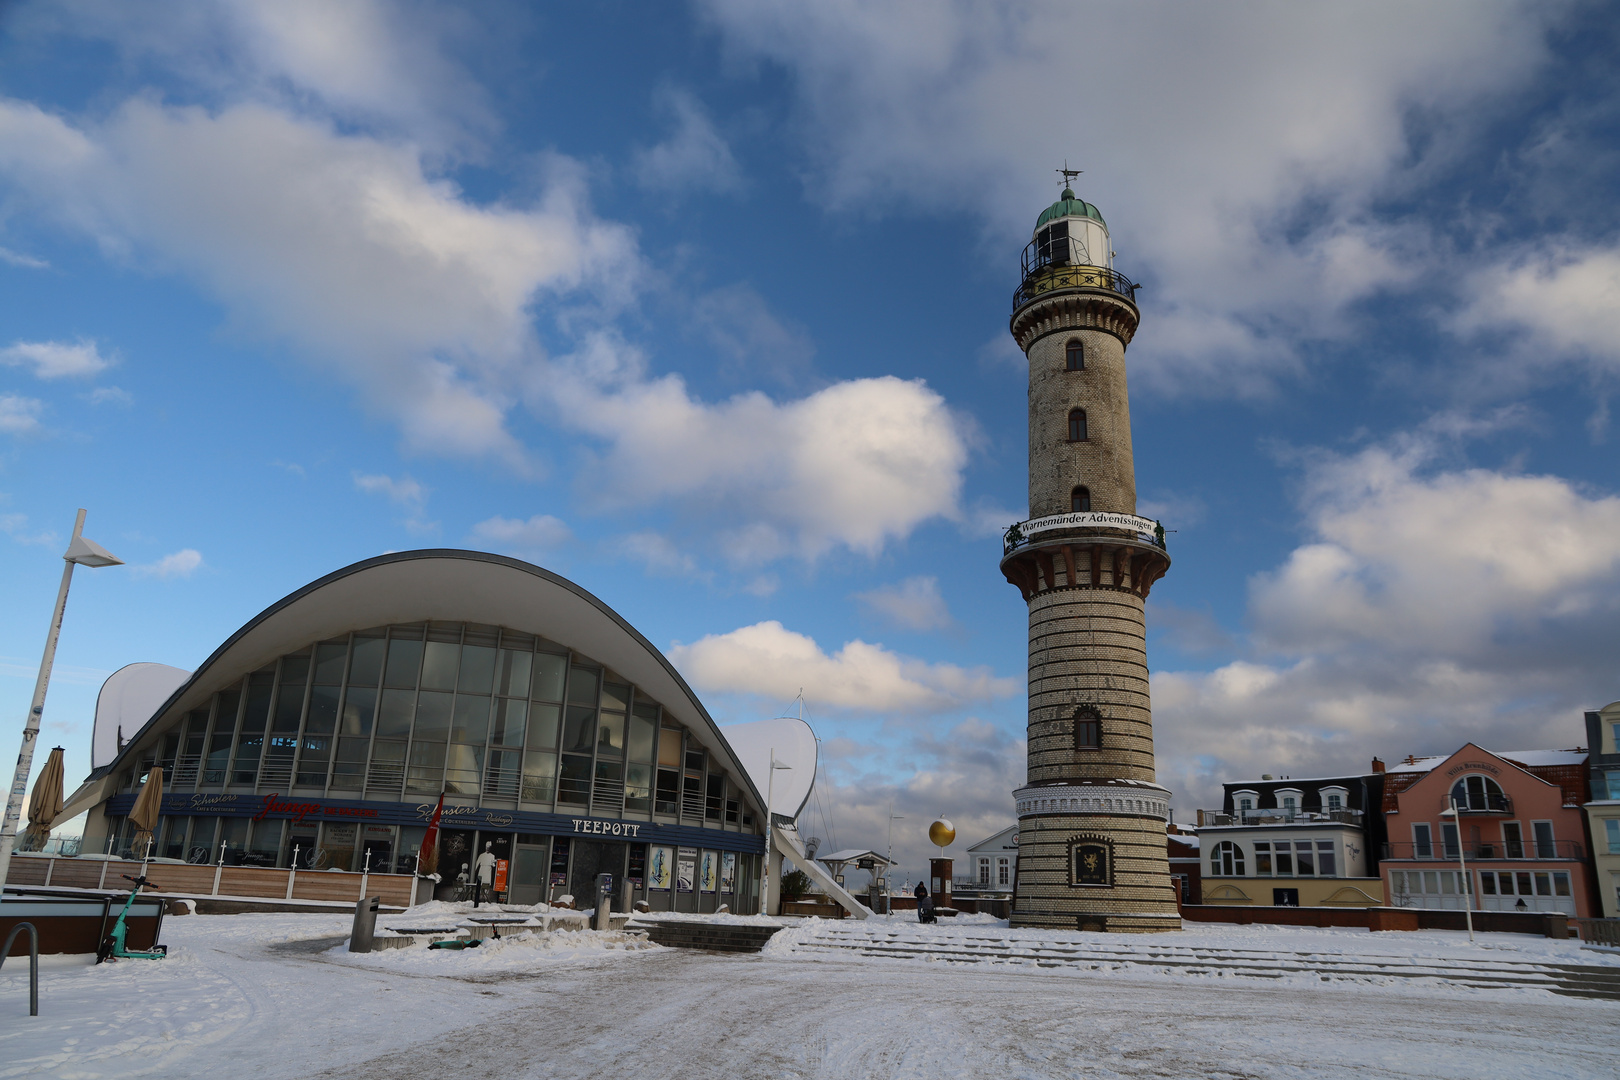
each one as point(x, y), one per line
point(1092, 519)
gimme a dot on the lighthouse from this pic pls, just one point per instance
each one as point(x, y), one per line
point(1091, 817)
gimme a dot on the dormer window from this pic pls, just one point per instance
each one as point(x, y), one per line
point(1074, 355)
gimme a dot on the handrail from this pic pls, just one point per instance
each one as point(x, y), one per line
point(1519, 851)
point(1047, 277)
point(33, 962)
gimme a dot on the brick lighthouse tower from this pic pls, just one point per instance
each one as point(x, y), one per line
point(1091, 819)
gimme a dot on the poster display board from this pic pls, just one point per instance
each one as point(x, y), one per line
point(660, 864)
point(728, 872)
point(707, 876)
point(685, 869)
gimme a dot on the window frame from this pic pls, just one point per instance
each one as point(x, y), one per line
point(1074, 355)
point(1080, 494)
point(1078, 432)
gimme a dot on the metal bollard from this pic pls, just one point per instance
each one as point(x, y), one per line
point(33, 962)
point(365, 924)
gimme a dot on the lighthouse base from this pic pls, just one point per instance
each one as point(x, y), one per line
point(1102, 872)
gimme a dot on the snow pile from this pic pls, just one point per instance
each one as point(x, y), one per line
point(727, 918)
point(523, 950)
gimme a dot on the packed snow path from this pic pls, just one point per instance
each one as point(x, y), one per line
point(265, 996)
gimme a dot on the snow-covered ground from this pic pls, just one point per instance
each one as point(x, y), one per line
point(252, 996)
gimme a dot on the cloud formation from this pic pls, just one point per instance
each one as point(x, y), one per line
point(405, 492)
point(694, 157)
point(19, 415)
point(770, 661)
point(540, 533)
point(913, 604)
point(181, 564)
point(1253, 235)
point(1428, 606)
point(56, 359)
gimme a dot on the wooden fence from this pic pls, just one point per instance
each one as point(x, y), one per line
point(177, 879)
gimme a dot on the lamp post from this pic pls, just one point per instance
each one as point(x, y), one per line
point(83, 552)
point(770, 836)
point(1467, 892)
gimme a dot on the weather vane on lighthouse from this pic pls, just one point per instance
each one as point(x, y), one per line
point(1068, 173)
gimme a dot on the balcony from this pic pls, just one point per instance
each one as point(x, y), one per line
point(1481, 802)
point(1488, 851)
point(1279, 817)
point(1045, 274)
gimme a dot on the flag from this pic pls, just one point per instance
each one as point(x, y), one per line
point(427, 860)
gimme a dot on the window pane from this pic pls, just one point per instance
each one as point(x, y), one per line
point(350, 768)
point(610, 734)
point(582, 686)
point(477, 670)
point(615, 696)
point(1545, 848)
point(544, 722)
point(579, 733)
point(1523, 878)
point(1262, 859)
point(643, 730)
point(1303, 855)
point(1326, 859)
point(539, 776)
point(1560, 884)
point(464, 769)
point(359, 706)
point(669, 748)
point(366, 662)
point(574, 782)
point(433, 715)
point(426, 772)
point(397, 711)
point(512, 673)
point(638, 787)
point(404, 661)
point(471, 720)
point(439, 665)
point(509, 722)
point(548, 676)
point(1487, 883)
point(323, 710)
point(329, 656)
point(1285, 860)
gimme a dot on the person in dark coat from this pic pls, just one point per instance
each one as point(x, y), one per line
point(925, 904)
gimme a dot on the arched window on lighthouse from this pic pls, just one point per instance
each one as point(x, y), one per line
point(1080, 500)
point(1087, 728)
point(1077, 425)
point(1074, 355)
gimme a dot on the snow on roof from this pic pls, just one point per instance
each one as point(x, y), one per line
point(851, 855)
point(1528, 758)
point(1544, 757)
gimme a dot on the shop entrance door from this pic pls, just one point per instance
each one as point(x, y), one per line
point(529, 873)
point(592, 858)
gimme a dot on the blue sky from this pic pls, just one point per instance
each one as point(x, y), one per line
point(704, 307)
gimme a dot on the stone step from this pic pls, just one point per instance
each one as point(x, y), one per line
point(716, 937)
point(1572, 980)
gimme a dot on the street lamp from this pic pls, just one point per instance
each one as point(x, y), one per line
point(85, 553)
point(1468, 893)
point(770, 835)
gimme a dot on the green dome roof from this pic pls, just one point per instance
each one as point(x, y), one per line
point(1068, 206)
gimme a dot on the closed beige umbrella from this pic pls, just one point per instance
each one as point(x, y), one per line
point(144, 814)
point(46, 804)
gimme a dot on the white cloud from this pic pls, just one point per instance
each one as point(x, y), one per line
point(913, 604)
point(404, 492)
point(542, 532)
point(1427, 607)
point(857, 464)
point(752, 341)
point(16, 527)
point(1238, 153)
point(111, 395)
point(1569, 299)
point(657, 552)
point(17, 258)
point(767, 660)
point(344, 244)
point(181, 564)
point(694, 157)
point(56, 359)
point(19, 415)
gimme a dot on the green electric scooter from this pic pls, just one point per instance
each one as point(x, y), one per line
point(112, 947)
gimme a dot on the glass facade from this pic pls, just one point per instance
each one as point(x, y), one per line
point(487, 714)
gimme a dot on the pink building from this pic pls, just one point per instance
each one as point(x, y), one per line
point(1518, 827)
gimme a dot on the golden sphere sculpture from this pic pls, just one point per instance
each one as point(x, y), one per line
point(942, 832)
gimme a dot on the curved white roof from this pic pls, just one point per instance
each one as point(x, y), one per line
point(794, 745)
point(127, 701)
point(450, 585)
